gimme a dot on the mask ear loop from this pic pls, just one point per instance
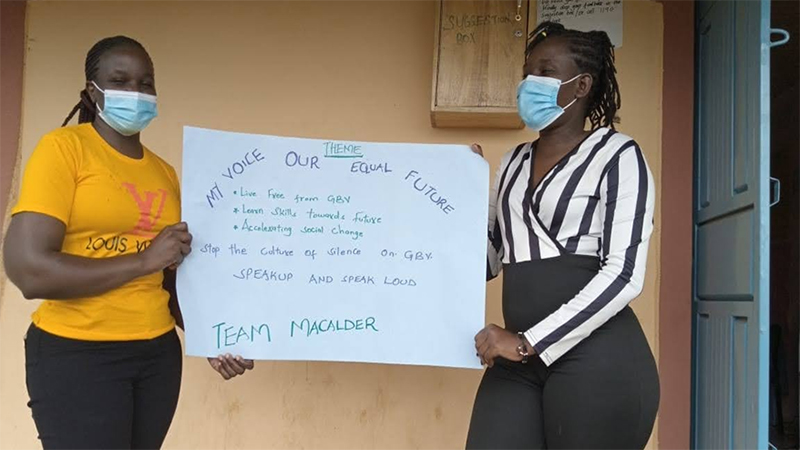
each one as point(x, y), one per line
point(97, 105)
point(570, 103)
point(104, 92)
point(570, 81)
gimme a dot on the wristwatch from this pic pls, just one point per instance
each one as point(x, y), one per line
point(522, 349)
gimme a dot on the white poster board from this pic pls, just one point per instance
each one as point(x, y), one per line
point(335, 251)
point(584, 15)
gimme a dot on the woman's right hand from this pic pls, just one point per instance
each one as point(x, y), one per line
point(169, 248)
point(229, 366)
point(476, 148)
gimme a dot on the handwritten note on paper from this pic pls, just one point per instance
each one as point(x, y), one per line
point(585, 15)
point(336, 251)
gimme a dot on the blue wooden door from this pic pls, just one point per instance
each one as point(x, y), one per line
point(731, 233)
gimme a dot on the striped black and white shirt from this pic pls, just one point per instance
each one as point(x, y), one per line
point(598, 200)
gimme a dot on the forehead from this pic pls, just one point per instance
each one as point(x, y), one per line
point(554, 51)
point(125, 58)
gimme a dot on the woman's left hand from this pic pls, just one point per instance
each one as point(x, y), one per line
point(493, 342)
point(477, 149)
point(229, 366)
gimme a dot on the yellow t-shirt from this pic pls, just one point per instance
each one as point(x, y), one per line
point(112, 205)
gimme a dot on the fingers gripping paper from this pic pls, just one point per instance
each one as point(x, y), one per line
point(335, 251)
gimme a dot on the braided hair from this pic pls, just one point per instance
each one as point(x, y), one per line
point(593, 53)
point(86, 106)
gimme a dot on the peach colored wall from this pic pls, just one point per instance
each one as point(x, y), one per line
point(333, 69)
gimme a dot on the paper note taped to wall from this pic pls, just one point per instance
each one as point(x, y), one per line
point(585, 15)
point(336, 251)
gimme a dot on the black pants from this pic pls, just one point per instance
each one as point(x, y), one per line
point(109, 395)
point(602, 394)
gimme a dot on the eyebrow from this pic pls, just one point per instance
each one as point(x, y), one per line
point(125, 72)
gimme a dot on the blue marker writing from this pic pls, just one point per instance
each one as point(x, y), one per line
point(232, 335)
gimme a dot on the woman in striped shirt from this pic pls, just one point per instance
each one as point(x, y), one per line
point(570, 220)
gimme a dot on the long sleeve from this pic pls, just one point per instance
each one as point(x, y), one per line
point(494, 250)
point(627, 203)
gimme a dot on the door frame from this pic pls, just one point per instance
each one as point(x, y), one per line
point(677, 172)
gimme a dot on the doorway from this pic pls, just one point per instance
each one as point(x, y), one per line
point(785, 230)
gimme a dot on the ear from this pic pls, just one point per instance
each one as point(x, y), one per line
point(583, 85)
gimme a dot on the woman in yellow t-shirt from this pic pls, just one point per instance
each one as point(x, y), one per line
point(97, 233)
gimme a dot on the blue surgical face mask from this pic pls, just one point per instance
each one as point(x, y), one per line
point(127, 112)
point(537, 101)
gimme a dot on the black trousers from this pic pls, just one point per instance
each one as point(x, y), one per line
point(602, 394)
point(109, 395)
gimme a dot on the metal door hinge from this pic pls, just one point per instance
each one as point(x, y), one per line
point(775, 191)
